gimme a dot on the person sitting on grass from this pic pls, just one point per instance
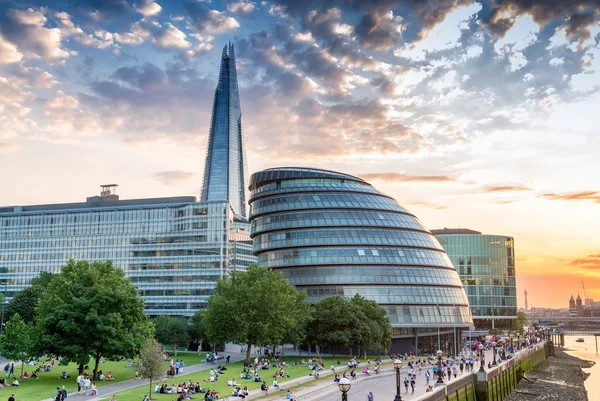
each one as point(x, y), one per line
point(15, 382)
point(34, 375)
point(245, 391)
point(63, 376)
point(109, 376)
point(289, 395)
point(336, 378)
point(264, 387)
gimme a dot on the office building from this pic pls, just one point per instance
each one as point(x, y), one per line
point(173, 249)
point(334, 234)
point(486, 265)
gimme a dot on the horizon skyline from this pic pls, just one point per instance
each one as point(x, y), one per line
point(470, 114)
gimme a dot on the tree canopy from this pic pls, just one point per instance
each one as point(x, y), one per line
point(196, 328)
point(520, 322)
point(151, 363)
point(25, 302)
point(15, 342)
point(170, 330)
point(90, 309)
point(256, 307)
point(374, 329)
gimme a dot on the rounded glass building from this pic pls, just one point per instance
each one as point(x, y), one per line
point(334, 234)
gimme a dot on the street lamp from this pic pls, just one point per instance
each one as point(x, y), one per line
point(481, 368)
point(494, 343)
point(398, 366)
point(440, 380)
point(344, 385)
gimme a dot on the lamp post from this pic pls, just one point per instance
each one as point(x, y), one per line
point(481, 368)
point(440, 372)
point(344, 385)
point(494, 343)
point(398, 366)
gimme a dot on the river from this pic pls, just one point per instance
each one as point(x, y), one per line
point(587, 350)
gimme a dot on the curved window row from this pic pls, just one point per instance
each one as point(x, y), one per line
point(300, 185)
point(435, 316)
point(394, 295)
point(332, 218)
point(343, 236)
point(322, 256)
point(322, 200)
point(370, 274)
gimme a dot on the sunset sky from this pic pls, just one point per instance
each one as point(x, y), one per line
point(481, 115)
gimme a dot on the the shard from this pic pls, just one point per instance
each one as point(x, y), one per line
point(225, 169)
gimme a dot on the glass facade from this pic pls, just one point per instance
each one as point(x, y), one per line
point(224, 171)
point(172, 249)
point(334, 234)
point(486, 265)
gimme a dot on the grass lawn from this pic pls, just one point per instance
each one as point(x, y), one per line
point(233, 371)
point(45, 385)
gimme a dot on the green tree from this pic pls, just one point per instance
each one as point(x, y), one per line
point(256, 307)
point(90, 309)
point(196, 329)
point(171, 330)
point(151, 362)
point(16, 340)
point(334, 323)
point(25, 302)
point(520, 322)
point(374, 329)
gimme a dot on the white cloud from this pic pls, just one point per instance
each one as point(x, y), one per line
point(242, 7)
point(147, 8)
point(557, 61)
point(443, 36)
point(8, 52)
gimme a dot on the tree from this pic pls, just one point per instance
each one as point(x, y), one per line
point(196, 329)
point(520, 322)
point(255, 307)
point(374, 330)
point(171, 330)
point(334, 323)
point(25, 302)
point(16, 340)
point(151, 362)
point(91, 309)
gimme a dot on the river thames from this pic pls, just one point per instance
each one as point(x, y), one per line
point(587, 350)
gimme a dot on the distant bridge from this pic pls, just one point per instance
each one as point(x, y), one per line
point(577, 333)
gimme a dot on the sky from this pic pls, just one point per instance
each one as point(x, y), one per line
point(471, 114)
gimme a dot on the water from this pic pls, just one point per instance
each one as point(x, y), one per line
point(587, 350)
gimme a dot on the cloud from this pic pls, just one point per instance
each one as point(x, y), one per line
point(506, 189)
point(591, 262)
point(574, 196)
point(241, 7)
point(208, 21)
point(26, 30)
point(173, 177)
point(577, 22)
point(428, 205)
point(147, 8)
point(8, 52)
point(8, 147)
point(165, 36)
point(401, 177)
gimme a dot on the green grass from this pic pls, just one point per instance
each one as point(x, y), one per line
point(233, 371)
point(45, 385)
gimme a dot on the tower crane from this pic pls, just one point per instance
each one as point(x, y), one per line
point(584, 294)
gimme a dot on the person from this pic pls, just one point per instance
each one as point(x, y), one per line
point(264, 387)
point(412, 384)
point(59, 395)
point(146, 398)
point(80, 384)
point(289, 395)
point(113, 398)
point(427, 377)
point(64, 393)
point(429, 388)
point(275, 384)
point(94, 389)
point(15, 382)
point(11, 398)
point(227, 358)
point(86, 385)
point(406, 385)
point(34, 375)
point(370, 396)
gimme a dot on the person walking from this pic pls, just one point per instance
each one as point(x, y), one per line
point(406, 385)
point(227, 358)
point(427, 378)
point(370, 397)
point(412, 384)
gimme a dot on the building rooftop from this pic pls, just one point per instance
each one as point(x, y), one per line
point(450, 231)
point(95, 203)
point(286, 173)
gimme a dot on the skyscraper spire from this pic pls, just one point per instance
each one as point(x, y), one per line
point(225, 169)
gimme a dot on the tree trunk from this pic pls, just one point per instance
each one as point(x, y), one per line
point(150, 391)
point(98, 355)
point(248, 353)
point(81, 368)
point(200, 346)
point(22, 363)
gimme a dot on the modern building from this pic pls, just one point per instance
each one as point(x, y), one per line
point(173, 249)
point(334, 234)
point(486, 265)
point(224, 171)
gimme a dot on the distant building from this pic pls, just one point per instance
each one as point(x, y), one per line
point(334, 234)
point(486, 265)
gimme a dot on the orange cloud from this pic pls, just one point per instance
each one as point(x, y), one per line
point(507, 189)
point(575, 196)
point(401, 177)
point(591, 262)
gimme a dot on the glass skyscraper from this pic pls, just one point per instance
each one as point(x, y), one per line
point(486, 265)
point(334, 234)
point(173, 249)
point(224, 171)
